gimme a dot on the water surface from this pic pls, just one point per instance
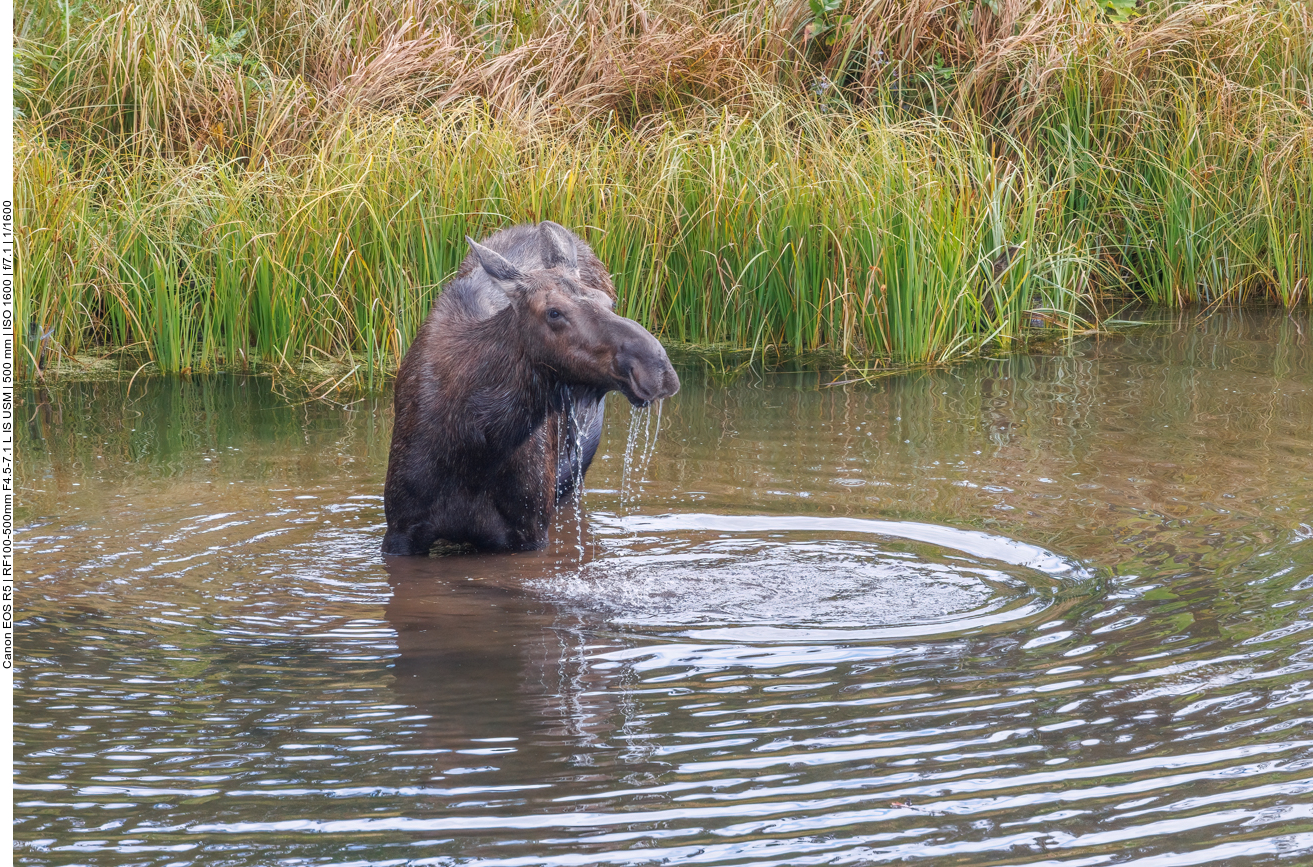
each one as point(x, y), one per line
point(1047, 609)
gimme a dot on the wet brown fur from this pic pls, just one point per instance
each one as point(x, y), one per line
point(499, 408)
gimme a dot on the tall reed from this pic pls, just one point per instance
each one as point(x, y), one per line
point(789, 231)
point(228, 181)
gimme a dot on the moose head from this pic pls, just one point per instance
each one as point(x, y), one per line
point(569, 328)
point(499, 401)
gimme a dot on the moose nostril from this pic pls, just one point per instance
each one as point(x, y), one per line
point(671, 380)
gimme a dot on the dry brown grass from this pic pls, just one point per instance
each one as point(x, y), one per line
point(256, 77)
point(157, 77)
point(1225, 46)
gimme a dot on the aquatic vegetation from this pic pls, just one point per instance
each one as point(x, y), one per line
point(217, 183)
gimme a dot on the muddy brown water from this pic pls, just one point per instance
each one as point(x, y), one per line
point(1053, 609)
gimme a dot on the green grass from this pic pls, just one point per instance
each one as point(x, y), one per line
point(223, 184)
point(738, 232)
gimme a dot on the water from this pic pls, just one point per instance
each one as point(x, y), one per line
point(1045, 610)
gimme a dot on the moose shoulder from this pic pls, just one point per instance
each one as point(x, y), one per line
point(499, 400)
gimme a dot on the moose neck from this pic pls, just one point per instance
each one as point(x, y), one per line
point(502, 391)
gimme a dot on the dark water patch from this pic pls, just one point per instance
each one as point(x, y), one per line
point(1044, 610)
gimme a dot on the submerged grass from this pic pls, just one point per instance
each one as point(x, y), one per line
point(221, 183)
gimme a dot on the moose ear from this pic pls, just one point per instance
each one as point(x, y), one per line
point(497, 266)
point(558, 245)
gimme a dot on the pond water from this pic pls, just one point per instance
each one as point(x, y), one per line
point(1053, 609)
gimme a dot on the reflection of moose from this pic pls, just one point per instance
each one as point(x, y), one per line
point(490, 662)
point(499, 400)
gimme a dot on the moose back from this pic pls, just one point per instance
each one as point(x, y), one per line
point(499, 400)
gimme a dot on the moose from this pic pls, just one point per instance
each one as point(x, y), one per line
point(499, 400)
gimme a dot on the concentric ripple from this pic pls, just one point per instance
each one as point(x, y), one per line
point(803, 575)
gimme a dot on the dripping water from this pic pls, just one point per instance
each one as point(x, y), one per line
point(651, 441)
point(572, 437)
point(640, 448)
point(629, 465)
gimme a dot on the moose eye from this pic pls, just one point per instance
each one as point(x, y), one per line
point(554, 314)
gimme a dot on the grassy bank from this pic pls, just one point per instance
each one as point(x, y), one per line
point(270, 180)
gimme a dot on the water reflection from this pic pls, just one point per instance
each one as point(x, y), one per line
point(493, 663)
point(1036, 610)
